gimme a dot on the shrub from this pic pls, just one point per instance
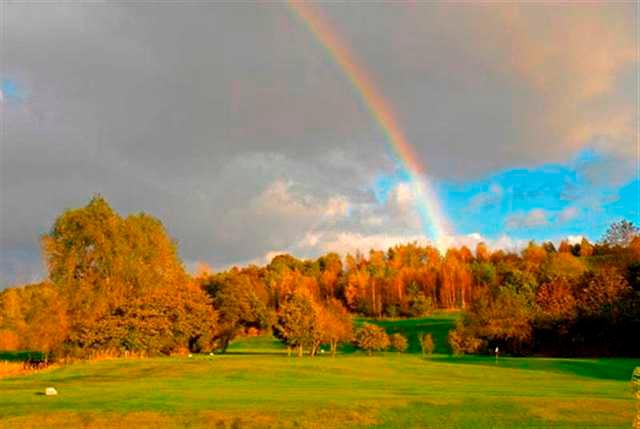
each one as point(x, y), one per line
point(392, 311)
point(462, 341)
point(427, 344)
point(398, 342)
point(371, 337)
point(420, 305)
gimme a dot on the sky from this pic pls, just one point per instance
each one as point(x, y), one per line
point(235, 125)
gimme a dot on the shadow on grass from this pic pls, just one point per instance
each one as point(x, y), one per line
point(438, 325)
point(253, 353)
point(20, 356)
point(603, 368)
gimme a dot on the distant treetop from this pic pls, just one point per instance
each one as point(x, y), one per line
point(620, 233)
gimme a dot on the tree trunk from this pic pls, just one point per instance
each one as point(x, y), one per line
point(225, 343)
point(334, 346)
point(300, 350)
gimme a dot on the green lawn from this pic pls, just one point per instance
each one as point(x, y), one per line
point(257, 385)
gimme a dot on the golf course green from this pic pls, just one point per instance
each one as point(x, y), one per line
point(256, 385)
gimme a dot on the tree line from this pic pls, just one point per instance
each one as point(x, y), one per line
point(116, 285)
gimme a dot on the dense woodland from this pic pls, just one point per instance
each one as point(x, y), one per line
point(117, 286)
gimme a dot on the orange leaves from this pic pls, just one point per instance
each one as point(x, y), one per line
point(372, 338)
point(556, 301)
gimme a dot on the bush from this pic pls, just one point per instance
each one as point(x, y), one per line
point(398, 342)
point(392, 311)
point(371, 337)
point(427, 344)
point(462, 341)
point(420, 305)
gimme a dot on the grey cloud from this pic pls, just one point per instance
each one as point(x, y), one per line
point(190, 110)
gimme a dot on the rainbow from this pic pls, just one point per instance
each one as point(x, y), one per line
point(434, 223)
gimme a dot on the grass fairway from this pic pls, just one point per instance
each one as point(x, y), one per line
point(257, 385)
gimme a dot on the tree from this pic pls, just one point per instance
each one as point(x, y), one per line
point(462, 340)
point(331, 270)
point(237, 300)
point(418, 304)
point(12, 323)
point(586, 248)
point(158, 323)
point(107, 269)
point(562, 264)
point(484, 273)
point(426, 343)
point(565, 247)
point(372, 338)
point(45, 316)
point(504, 320)
point(398, 342)
point(33, 317)
point(298, 322)
point(534, 254)
point(602, 291)
point(549, 247)
point(620, 233)
point(336, 325)
point(555, 314)
point(483, 254)
point(556, 302)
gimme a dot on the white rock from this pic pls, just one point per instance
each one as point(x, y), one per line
point(211, 354)
point(50, 391)
point(190, 355)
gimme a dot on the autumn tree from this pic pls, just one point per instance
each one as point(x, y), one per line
point(564, 247)
point(336, 325)
point(45, 316)
point(601, 292)
point(357, 283)
point(240, 303)
point(330, 267)
point(562, 265)
point(504, 320)
point(372, 338)
point(298, 323)
point(426, 343)
point(455, 281)
point(102, 265)
point(463, 340)
point(483, 254)
point(398, 342)
point(12, 323)
point(556, 301)
point(586, 248)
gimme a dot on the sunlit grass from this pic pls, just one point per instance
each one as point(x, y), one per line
point(257, 385)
